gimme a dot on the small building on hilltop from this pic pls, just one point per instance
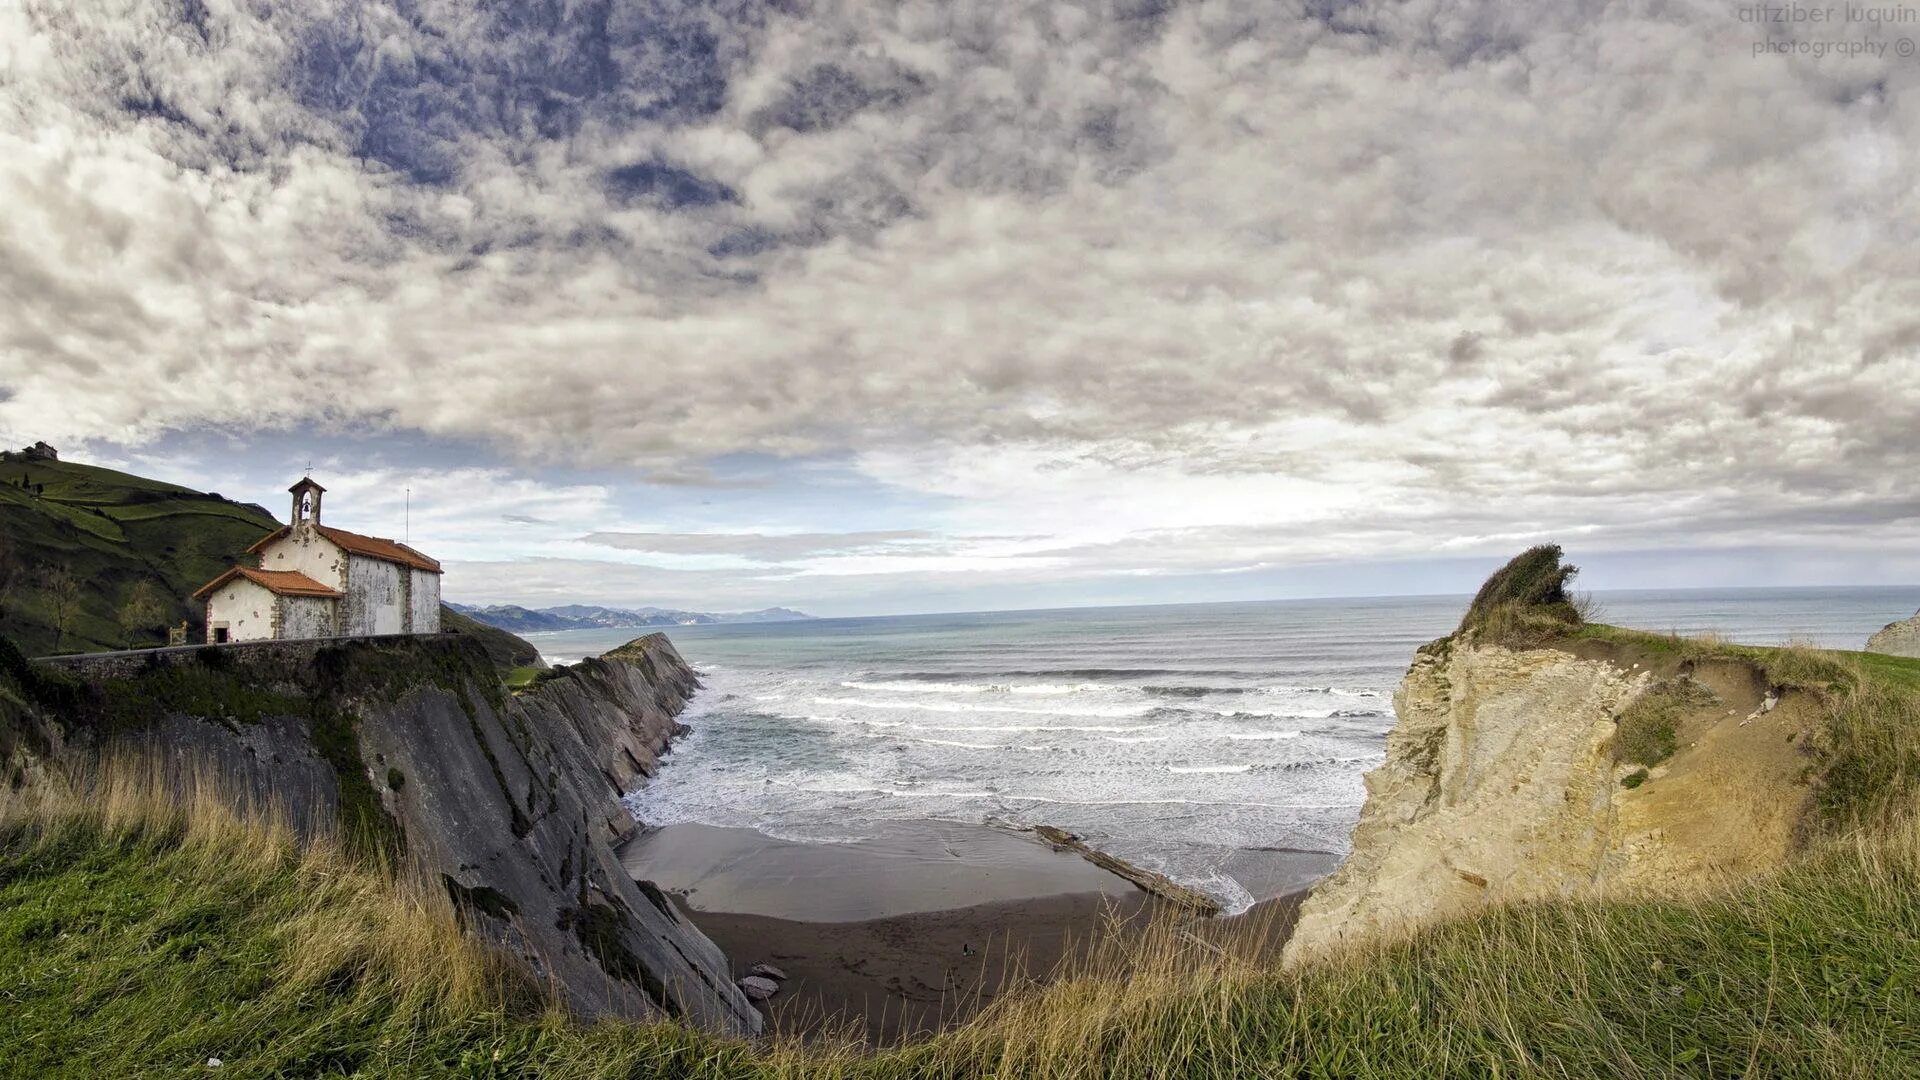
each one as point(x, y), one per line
point(39, 451)
point(316, 581)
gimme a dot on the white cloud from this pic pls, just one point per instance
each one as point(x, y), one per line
point(761, 547)
point(1222, 285)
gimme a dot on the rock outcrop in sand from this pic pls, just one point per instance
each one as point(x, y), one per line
point(1501, 783)
point(1151, 881)
point(1898, 639)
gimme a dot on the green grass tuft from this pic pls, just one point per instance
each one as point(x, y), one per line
point(1647, 730)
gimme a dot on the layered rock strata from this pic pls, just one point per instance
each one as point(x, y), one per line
point(510, 802)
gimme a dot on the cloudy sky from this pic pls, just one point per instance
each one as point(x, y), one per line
point(874, 307)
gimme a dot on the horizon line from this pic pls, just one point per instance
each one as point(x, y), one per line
point(1175, 603)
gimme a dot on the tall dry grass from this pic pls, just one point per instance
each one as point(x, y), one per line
point(339, 923)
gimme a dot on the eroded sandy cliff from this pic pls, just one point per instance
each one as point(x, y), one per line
point(1897, 639)
point(1504, 781)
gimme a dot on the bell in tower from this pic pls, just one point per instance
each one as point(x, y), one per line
point(306, 502)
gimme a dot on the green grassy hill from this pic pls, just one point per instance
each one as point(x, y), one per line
point(508, 652)
point(78, 543)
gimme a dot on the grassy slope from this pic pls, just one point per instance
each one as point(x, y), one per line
point(508, 652)
point(113, 530)
point(1898, 671)
point(299, 964)
point(144, 939)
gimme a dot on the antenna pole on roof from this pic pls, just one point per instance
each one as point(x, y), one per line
point(406, 523)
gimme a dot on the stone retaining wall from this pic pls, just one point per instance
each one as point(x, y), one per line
point(246, 654)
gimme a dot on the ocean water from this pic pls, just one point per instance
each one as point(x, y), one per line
point(1180, 737)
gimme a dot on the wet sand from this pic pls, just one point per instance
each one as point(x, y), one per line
point(909, 974)
point(889, 979)
point(907, 867)
point(920, 925)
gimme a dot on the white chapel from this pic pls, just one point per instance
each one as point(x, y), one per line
point(316, 581)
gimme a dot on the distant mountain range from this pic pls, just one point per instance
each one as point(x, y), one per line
point(587, 616)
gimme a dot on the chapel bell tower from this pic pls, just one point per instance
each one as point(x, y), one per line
point(306, 502)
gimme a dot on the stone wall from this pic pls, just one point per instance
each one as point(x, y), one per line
point(260, 656)
point(308, 617)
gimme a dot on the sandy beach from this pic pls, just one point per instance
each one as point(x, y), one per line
point(918, 926)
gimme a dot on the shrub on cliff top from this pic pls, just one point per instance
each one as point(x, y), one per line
point(1526, 599)
point(1537, 577)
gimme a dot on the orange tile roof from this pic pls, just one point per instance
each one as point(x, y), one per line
point(378, 547)
point(284, 582)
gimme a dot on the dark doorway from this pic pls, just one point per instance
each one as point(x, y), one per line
point(219, 635)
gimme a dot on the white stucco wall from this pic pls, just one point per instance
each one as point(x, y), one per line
point(381, 597)
point(244, 608)
point(306, 616)
point(311, 554)
point(375, 596)
point(426, 601)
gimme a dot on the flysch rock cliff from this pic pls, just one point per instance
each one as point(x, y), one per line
point(1898, 639)
point(1501, 784)
point(511, 802)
